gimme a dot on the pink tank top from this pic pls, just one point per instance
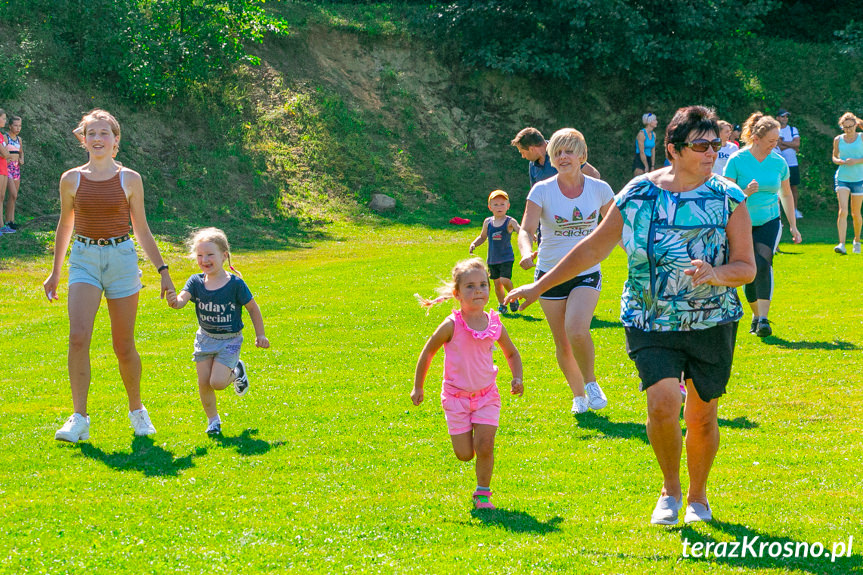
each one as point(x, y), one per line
point(468, 364)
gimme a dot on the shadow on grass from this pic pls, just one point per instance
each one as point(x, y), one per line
point(245, 444)
point(597, 323)
point(762, 559)
point(523, 317)
point(150, 459)
point(828, 345)
point(601, 423)
point(737, 423)
point(516, 521)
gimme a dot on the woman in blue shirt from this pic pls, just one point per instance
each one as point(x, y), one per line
point(848, 155)
point(764, 176)
point(687, 238)
point(645, 142)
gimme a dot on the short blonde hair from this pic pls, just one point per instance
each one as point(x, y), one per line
point(216, 237)
point(448, 289)
point(646, 118)
point(570, 140)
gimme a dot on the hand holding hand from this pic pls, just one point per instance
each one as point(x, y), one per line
point(171, 298)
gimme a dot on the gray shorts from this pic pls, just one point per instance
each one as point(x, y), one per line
point(111, 268)
point(224, 348)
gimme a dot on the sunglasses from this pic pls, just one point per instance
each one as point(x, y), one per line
point(702, 145)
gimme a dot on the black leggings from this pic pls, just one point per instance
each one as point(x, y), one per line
point(765, 238)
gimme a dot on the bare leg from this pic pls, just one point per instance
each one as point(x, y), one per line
point(555, 315)
point(11, 198)
point(483, 444)
point(83, 304)
point(221, 376)
point(123, 312)
point(499, 291)
point(842, 221)
point(2, 196)
point(579, 312)
point(794, 195)
point(702, 442)
point(856, 203)
point(205, 391)
point(663, 430)
point(763, 307)
point(462, 445)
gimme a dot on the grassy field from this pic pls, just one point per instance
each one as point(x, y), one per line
point(326, 466)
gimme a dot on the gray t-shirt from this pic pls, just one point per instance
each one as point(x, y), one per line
point(219, 311)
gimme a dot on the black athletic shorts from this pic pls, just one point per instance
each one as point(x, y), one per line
point(561, 291)
point(637, 164)
point(501, 270)
point(794, 175)
point(702, 355)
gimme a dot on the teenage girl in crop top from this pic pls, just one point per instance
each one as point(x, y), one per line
point(99, 200)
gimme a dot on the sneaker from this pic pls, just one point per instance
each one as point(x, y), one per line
point(241, 380)
point(754, 325)
point(76, 428)
point(501, 309)
point(763, 329)
point(579, 405)
point(839, 249)
point(141, 422)
point(12, 225)
point(856, 248)
point(513, 306)
point(665, 512)
point(482, 500)
point(595, 398)
point(696, 512)
point(215, 427)
point(798, 214)
point(7, 229)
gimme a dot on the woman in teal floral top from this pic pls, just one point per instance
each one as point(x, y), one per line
point(687, 237)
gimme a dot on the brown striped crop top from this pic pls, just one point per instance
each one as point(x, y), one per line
point(101, 209)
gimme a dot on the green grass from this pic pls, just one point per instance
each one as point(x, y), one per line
point(326, 466)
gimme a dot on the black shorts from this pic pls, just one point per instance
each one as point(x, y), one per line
point(501, 270)
point(702, 355)
point(794, 172)
point(638, 165)
point(593, 281)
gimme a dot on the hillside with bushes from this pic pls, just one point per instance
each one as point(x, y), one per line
point(340, 101)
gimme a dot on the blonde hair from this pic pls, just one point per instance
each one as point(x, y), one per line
point(646, 118)
point(94, 116)
point(568, 139)
point(215, 236)
point(757, 125)
point(448, 289)
point(849, 116)
point(723, 124)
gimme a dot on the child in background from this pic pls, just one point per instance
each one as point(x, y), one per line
point(219, 297)
point(499, 229)
point(470, 398)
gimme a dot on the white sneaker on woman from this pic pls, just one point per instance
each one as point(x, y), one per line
point(595, 398)
point(141, 422)
point(579, 405)
point(76, 428)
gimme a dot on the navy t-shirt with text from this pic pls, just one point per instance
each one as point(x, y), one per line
point(219, 311)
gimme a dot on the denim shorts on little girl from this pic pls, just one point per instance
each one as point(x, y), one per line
point(222, 347)
point(112, 267)
point(464, 408)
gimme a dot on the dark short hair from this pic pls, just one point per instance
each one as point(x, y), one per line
point(528, 137)
point(687, 120)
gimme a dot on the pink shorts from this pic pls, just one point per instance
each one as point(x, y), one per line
point(463, 409)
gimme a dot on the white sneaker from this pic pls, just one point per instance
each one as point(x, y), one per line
point(595, 398)
point(840, 249)
point(856, 247)
point(141, 422)
point(579, 405)
point(76, 428)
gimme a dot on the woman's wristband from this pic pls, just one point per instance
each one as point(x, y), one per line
point(161, 268)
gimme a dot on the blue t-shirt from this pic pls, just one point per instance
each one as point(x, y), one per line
point(540, 172)
point(499, 242)
point(649, 144)
point(219, 311)
point(847, 151)
point(742, 167)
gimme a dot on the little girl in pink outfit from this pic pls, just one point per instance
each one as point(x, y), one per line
point(470, 398)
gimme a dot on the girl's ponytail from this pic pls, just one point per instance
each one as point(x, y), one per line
point(448, 289)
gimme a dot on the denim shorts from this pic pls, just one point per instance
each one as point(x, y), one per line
point(224, 348)
point(111, 268)
point(855, 187)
